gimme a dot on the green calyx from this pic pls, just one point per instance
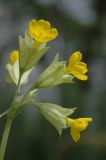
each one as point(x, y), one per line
point(55, 114)
point(30, 52)
point(54, 75)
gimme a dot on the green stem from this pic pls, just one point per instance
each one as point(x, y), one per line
point(5, 138)
point(8, 124)
point(17, 93)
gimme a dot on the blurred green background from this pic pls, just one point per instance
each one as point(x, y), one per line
point(82, 26)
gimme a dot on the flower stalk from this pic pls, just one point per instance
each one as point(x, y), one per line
point(8, 122)
point(5, 138)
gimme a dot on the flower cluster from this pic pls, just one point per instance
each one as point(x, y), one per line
point(20, 65)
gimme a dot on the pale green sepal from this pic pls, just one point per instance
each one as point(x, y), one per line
point(28, 98)
point(25, 76)
point(68, 78)
point(13, 74)
point(54, 75)
point(29, 54)
point(20, 103)
point(55, 114)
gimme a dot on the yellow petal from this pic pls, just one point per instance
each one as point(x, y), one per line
point(44, 24)
point(32, 23)
point(54, 32)
point(82, 77)
point(69, 121)
point(82, 64)
point(87, 119)
point(79, 68)
point(41, 31)
point(79, 74)
point(75, 134)
point(81, 123)
point(75, 57)
point(77, 125)
point(14, 55)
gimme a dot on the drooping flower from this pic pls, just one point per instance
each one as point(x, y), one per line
point(55, 114)
point(41, 30)
point(14, 55)
point(76, 67)
point(77, 126)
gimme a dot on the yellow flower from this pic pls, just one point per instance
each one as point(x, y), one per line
point(41, 30)
point(14, 55)
point(76, 67)
point(77, 126)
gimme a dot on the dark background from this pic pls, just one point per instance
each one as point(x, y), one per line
point(82, 26)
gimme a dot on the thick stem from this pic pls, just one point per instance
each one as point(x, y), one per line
point(5, 138)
